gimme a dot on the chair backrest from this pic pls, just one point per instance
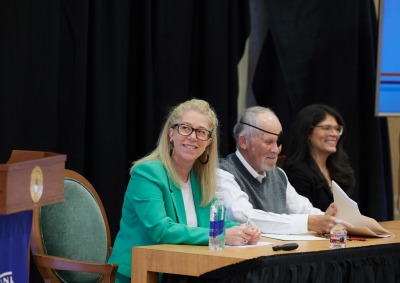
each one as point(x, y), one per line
point(75, 229)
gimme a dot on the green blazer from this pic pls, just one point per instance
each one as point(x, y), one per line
point(153, 212)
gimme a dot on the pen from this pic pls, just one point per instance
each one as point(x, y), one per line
point(355, 239)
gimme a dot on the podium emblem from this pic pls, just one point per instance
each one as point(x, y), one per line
point(36, 184)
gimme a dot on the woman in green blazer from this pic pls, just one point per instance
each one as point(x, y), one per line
point(170, 190)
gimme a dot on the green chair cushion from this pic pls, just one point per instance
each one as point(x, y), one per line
point(75, 229)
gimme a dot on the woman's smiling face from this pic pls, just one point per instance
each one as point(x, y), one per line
point(187, 149)
point(324, 137)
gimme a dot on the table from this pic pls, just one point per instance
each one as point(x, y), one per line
point(147, 261)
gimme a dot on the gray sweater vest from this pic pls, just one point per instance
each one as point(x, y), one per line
point(269, 195)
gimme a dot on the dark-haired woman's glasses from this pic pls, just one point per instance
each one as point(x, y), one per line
point(329, 129)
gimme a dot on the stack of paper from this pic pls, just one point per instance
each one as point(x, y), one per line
point(311, 236)
point(349, 212)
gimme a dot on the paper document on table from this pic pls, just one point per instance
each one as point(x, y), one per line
point(295, 237)
point(260, 243)
point(348, 211)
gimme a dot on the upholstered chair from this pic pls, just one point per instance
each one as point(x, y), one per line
point(70, 241)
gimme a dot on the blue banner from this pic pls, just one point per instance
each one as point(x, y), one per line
point(15, 231)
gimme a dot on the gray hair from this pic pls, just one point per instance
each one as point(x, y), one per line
point(249, 116)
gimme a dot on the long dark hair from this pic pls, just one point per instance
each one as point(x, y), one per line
point(297, 147)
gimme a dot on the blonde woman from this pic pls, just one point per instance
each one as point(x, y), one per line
point(170, 190)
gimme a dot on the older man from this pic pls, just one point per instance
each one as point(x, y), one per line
point(255, 189)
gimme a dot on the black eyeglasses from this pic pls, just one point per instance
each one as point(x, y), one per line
point(330, 129)
point(186, 130)
point(280, 135)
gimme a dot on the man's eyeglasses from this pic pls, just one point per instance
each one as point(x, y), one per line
point(186, 130)
point(330, 129)
point(280, 135)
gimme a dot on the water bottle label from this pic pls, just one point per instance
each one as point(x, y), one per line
point(338, 238)
point(338, 241)
point(216, 228)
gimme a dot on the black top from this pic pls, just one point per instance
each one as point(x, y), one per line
point(307, 183)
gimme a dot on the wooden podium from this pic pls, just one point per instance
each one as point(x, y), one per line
point(29, 179)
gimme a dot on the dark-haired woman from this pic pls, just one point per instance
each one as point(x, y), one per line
point(314, 155)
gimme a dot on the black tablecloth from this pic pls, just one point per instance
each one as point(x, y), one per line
point(379, 263)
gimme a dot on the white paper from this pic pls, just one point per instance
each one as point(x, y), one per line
point(260, 243)
point(347, 208)
point(349, 212)
point(296, 237)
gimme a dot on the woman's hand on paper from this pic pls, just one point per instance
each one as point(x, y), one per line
point(245, 234)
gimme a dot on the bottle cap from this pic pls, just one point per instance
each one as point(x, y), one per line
point(338, 221)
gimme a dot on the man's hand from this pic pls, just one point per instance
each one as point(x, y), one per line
point(323, 224)
point(331, 210)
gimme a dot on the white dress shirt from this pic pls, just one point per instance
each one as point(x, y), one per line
point(240, 209)
point(187, 195)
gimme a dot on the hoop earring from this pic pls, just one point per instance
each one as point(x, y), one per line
point(204, 162)
point(171, 145)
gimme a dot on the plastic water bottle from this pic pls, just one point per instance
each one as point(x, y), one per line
point(338, 235)
point(217, 223)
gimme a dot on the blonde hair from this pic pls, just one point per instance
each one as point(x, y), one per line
point(205, 173)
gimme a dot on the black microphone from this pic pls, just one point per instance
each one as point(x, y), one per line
point(286, 247)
